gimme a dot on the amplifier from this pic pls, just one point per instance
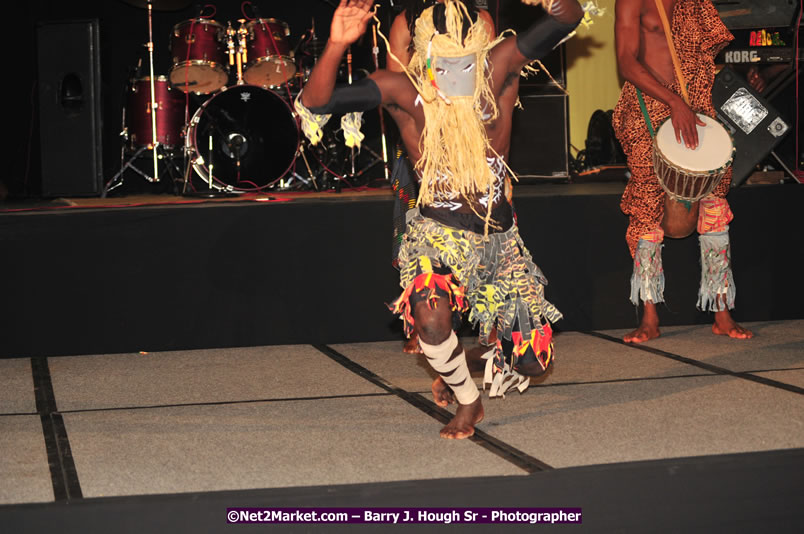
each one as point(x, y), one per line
point(756, 13)
point(540, 137)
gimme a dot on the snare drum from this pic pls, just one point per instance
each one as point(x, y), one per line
point(270, 59)
point(199, 57)
point(689, 175)
point(169, 113)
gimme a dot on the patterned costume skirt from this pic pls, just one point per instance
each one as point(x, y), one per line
point(492, 277)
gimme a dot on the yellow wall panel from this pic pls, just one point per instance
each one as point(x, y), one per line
point(592, 79)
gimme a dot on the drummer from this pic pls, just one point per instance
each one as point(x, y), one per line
point(646, 63)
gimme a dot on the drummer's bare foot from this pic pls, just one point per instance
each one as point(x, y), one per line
point(442, 394)
point(724, 325)
point(412, 345)
point(648, 328)
point(463, 424)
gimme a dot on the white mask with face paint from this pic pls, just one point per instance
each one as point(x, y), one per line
point(456, 76)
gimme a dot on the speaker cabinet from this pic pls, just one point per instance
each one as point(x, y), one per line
point(756, 127)
point(69, 108)
point(540, 137)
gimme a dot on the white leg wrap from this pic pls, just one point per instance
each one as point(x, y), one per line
point(453, 371)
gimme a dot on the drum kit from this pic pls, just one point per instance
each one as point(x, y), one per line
point(234, 138)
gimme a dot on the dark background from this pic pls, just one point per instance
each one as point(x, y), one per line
point(123, 39)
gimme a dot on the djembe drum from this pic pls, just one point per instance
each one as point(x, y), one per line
point(688, 175)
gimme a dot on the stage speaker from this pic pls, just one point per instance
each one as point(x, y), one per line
point(69, 108)
point(756, 127)
point(737, 14)
point(540, 136)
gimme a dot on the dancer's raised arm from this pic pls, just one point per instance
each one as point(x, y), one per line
point(511, 55)
point(348, 23)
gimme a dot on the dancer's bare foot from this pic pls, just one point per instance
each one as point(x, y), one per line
point(442, 394)
point(648, 328)
point(463, 424)
point(724, 325)
point(412, 345)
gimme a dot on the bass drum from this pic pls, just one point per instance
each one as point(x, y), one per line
point(244, 138)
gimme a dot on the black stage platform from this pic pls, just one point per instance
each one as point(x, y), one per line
point(92, 281)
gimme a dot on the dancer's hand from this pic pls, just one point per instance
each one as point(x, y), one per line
point(349, 21)
point(684, 123)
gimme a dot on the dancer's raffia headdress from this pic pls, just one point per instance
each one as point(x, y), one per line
point(454, 144)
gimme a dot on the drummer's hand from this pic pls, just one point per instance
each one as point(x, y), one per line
point(684, 123)
point(350, 20)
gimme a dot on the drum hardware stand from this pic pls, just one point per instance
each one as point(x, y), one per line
point(310, 172)
point(369, 165)
point(213, 190)
point(784, 166)
point(239, 56)
point(118, 179)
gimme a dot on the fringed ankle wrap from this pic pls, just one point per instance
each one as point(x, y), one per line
point(647, 280)
point(717, 279)
point(453, 370)
point(500, 380)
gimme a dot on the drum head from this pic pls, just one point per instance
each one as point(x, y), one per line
point(270, 71)
point(714, 150)
point(248, 137)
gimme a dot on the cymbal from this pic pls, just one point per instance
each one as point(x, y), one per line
point(160, 5)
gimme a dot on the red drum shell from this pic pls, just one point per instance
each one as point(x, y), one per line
point(169, 113)
point(270, 60)
point(199, 56)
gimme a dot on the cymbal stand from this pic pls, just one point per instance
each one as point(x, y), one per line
point(154, 137)
point(349, 71)
point(376, 52)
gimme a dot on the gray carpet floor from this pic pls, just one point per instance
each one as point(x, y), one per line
point(297, 416)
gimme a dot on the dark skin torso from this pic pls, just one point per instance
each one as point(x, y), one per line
point(399, 98)
point(653, 51)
